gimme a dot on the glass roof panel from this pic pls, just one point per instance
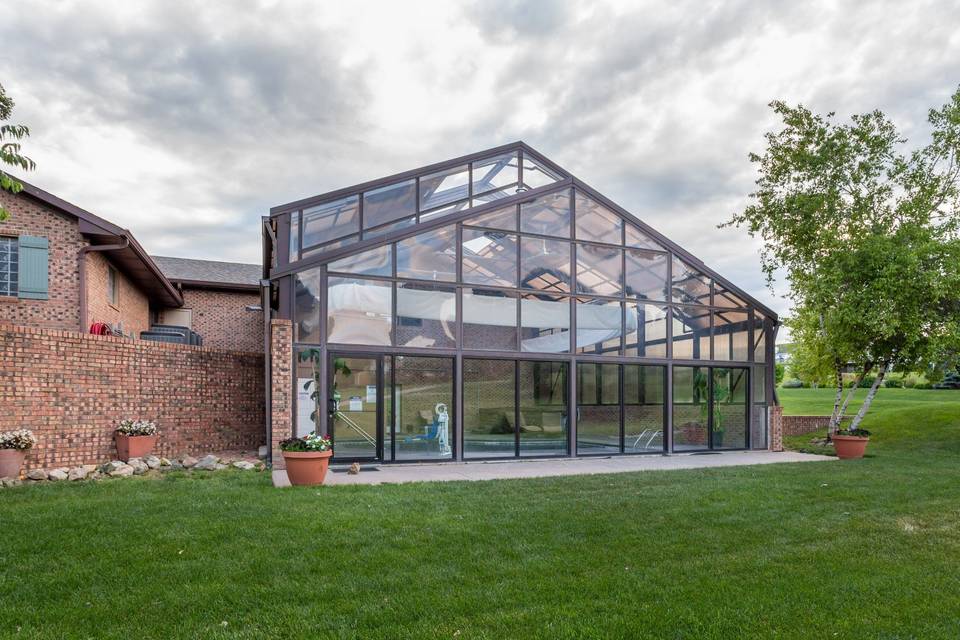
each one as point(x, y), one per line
point(444, 187)
point(373, 262)
point(723, 297)
point(495, 172)
point(689, 285)
point(637, 238)
point(442, 211)
point(490, 258)
point(548, 215)
point(493, 196)
point(545, 265)
point(330, 220)
point(597, 223)
point(429, 256)
point(599, 270)
point(535, 174)
point(387, 228)
point(505, 218)
point(389, 203)
point(646, 276)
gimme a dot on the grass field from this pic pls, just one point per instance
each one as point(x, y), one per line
point(855, 549)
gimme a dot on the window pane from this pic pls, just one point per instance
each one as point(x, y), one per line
point(373, 262)
point(330, 246)
point(646, 276)
point(308, 397)
point(422, 408)
point(543, 408)
point(760, 330)
point(354, 426)
point(489, 408)
point(359, 311)
point(760, 384)
point(429, 256)
point(598, 326)
point(598, 408)
point(599, 270)
point(535, 174)
point(636, 238)
point(294, 236)
point(389, 203)
point(426, 316)
point(597, 223)
point(495, 172)
point(493, 196)
point(306, 306)
point(691, 333)
point(387, 228)
point(489, 257)
point(548, 215)
point(689, 285)
point(730, 411)
point(444, 187)
point(544, 323)
point(442, 211)
point(690, 402)
point(646, 330)
point(545, 265)
point(505, 218)
point(730, 336)
point(489, 319)
point(723, 297)
point(331, 220)
point(643, 404)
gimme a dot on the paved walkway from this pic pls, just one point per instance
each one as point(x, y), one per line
point(546, 468)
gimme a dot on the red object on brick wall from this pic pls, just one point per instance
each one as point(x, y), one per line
point(73, 388)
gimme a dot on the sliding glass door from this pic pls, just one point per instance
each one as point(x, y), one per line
point(620, 408)
point(710, 408)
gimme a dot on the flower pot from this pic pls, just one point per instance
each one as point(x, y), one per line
point(849, 447)
point(307, 467)
point(10, 462)
point(134, 446)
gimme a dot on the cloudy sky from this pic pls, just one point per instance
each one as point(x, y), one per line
point(185, 122)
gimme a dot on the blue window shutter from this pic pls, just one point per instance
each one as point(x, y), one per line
point(33, 267)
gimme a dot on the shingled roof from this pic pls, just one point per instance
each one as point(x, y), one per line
point(210, 273)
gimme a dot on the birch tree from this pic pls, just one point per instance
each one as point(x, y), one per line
point(11, 136)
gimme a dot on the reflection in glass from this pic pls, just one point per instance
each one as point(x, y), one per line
point(426, 315)
point(599, 270)
point(306, 306)
point(545, 265)
point(690, 406)
point(599, 325)
point(421, 410)
point(544, 323)
point(759, 384)
point(535, 174)
point(689, 285)
point(493, 196)
point(444, 187)
point(329, 246)
point(387, 228)
point(598, 408)
point(505, 218)
point(646, 330)
point(490, 258)
point(330, 220)
point(389, 203)
point(723, 297)
point(495, 172)
point(548, 215)
point(637, 238)
point(429, 256)
point(373, 262)
point(489, 408)
point(759, 338)
point(730, 408)
point(597, 223)
point(353, 422)
point(643, 404)
point(691, 333)
point(359, 311)
point(731, 339)
point(294, 236)
point(646, 274)
point(307, 361)
point(543, 408)
point(489, 319)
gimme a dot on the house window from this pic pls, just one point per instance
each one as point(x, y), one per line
point(113, 286)
point(9, 260)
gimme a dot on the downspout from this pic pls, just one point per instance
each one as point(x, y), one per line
point(82, 267)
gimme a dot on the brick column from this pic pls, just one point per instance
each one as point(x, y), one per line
point(281, 387)
point(776, 428)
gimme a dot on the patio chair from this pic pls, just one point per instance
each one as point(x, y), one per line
point(646, 437)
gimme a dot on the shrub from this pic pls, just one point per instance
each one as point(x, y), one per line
point(923, 385)
point(309, 442)
point(909, 382)
point(137, 428)
point(893, 384)
point(21, 439)
point(792, 383)
point(860, 433)
point(779, 371)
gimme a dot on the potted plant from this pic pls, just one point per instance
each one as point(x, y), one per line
point(135, 438)
point(850, 443)
point(13, 449)
point(307, 458)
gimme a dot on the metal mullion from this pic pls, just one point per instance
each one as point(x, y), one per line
point(300, 225)
point(520, 184)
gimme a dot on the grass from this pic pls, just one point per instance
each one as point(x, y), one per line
point(855, 549)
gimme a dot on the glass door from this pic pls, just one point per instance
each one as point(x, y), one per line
point(356, 400)
point(729, 417)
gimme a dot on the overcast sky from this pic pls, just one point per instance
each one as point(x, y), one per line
point(185, 122)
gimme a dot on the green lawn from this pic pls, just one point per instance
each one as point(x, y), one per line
point(853, 549)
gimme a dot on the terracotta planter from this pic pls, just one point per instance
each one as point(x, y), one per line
point(850, 447)
point(307, 467)
point(10, 462)
point(134, 446)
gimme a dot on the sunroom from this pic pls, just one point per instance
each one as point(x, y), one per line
point(494, 306)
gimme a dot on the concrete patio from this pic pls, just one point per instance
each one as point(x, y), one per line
point(499, 470)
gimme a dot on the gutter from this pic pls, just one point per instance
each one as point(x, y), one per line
point(82, 270)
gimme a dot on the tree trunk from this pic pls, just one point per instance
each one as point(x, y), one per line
point(835, 417)
point(856, 385)
point(869, 399)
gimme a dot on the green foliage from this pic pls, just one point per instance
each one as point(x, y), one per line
point(779, 371)
point(10, 149)
point(792, 383)
point(893, 384)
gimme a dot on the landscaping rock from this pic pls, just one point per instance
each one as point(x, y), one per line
point(96, 475)
point(262, 452)
point(37, 474)
point(139, 466)
point(89, 468)
point(111, 466)
point(244, 465)
point(188, 461)
point(152, 462)
point(10, 482)
point(208, 463)
point(77, 473)
point(58, 474)
point(173, 466)
point(164, 462)
point(123, 471)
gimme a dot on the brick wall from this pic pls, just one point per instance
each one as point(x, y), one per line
point(62, 308)
point(776, 428)
point(72, 389)
point(223, 320)
point(281, 387)
point(132, 308)
point(799, 425)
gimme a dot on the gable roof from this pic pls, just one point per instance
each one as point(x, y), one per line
point(211, 274)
